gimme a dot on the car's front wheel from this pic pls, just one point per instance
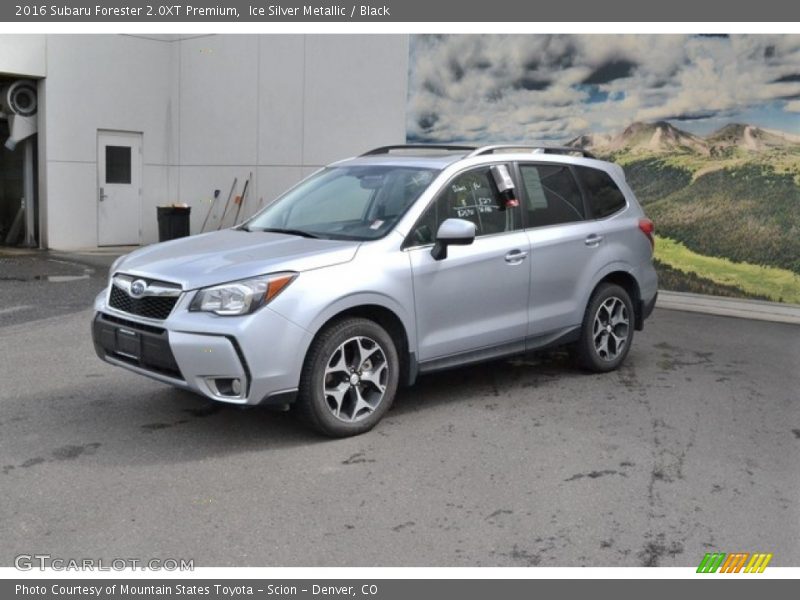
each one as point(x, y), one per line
point(349, 378)
point(607, 331)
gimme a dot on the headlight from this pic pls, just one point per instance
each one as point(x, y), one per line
point(241, 297)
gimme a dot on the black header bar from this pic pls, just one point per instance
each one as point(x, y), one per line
point(422, 11)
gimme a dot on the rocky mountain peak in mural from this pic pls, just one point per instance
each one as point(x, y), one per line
point(751, 138)
point(644, 138)
point(661, 137)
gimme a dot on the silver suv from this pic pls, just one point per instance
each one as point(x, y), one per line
point(405, 260)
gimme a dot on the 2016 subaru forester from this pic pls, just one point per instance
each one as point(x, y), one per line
point(401, 261)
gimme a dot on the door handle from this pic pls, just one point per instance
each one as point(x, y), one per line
point(593, 240)
point(515, 257)
point(101, 195)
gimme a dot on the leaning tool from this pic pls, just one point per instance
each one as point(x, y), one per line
point(227, 203)
point(242, 199)
point(210, 210)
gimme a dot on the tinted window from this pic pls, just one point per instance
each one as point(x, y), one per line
point(118, 164)
point(552, 195)
point(471, 196)
point(347, 202)
point(605, 198)
point(342, 199)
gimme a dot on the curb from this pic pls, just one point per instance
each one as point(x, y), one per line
point(730, 307)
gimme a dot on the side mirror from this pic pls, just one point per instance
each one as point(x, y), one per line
point(452, 232)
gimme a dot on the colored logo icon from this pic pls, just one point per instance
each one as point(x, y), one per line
point(719, 562)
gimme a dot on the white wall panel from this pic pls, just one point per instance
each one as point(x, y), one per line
point(72, 204)
point(280, 102)
point(218, 100)
point(110, 82)
point(23, 55)
point(210, 108)
point(355, 94)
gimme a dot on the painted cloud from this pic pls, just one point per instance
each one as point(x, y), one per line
point(555, 87)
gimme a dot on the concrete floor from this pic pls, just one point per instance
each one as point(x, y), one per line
point(691, 447)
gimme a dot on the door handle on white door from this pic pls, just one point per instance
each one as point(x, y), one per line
point(593, 240)
point(101, 195)
point(515, 257)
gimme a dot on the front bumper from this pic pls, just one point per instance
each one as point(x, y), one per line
point(262, 353)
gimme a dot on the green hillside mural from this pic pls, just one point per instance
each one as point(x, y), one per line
point(707, 129)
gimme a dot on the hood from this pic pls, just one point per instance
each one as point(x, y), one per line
point(222, 256)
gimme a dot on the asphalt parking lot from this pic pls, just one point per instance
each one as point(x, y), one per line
point(691, 447)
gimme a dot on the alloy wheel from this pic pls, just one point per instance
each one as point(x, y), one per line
point(611, 328)
point(355, 379)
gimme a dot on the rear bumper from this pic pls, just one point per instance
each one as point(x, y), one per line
point(649, 306)
point(644, 311)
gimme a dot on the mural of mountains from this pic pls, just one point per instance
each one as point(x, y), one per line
point(726, 205)
point(663, 137)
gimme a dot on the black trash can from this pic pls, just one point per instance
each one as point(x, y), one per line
point(173, 222)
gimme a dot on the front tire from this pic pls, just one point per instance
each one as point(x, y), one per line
point(607, 330)
point(349, 378)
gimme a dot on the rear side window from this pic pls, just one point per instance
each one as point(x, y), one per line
point(605, 198)
point(552, 195)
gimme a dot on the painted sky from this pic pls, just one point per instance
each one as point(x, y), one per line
point(555, 87)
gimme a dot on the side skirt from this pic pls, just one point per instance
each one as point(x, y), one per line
point(540, 342)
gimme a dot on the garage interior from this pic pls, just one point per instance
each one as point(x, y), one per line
point(18, 162)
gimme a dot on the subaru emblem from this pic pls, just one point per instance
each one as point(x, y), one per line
point(138, 288)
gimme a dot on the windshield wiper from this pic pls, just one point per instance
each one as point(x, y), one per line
point(299, 232)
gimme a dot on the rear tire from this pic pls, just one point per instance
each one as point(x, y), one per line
point(607, 330)
point(349, 378)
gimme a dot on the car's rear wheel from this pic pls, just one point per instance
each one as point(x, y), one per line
point(349, 378)
point(607, 331)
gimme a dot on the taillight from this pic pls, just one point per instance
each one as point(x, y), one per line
point(647, 227)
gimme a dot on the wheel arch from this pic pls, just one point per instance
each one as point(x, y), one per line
point(391, 321)
point(628, 282)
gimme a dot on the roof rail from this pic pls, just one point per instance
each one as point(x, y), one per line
point(446, 147)
point(533, 149)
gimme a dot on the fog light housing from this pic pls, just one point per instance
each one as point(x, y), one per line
point(230, 387)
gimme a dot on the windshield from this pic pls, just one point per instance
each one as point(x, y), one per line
point(355, 203)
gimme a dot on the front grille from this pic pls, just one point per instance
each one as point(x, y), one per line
point(151, 307)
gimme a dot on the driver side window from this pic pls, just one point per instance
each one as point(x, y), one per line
point(471, 196)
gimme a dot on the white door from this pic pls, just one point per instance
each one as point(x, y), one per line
point(119, 188)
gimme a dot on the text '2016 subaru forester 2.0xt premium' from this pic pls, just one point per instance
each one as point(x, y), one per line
point(402, 261)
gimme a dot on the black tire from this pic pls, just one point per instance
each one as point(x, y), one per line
point(587, 355)
point(346, 336)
